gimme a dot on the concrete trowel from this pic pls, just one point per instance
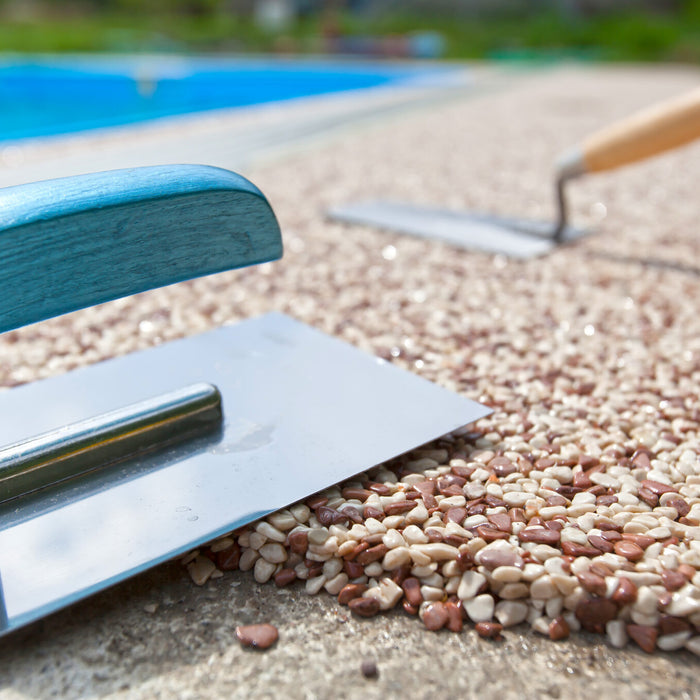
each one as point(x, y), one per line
point(642, 135)
point(110, 469)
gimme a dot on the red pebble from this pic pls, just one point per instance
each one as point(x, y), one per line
point(227, 559)
point(629, 550)
point(284, 577)
point(673, 580)
point(435, 616)
point(489, 630)
point(644, 635)
point(411, 589)
point(594, 613)
point(257, 636)
point(364, 607)
point(558, 629)
point(454, 616)
point(626, 592)
point(350, 592)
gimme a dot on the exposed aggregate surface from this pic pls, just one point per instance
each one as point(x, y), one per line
point(576, 504)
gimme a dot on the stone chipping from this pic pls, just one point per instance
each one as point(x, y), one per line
point(576, 504)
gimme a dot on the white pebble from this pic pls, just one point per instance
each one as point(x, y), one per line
point(659, 533)
point(396, 558)
point(516, 499)
point(531, 571)
point(416, 515)
point(221, 544)
point(506, 574)
point(452, 502)
point(335, 584)
point(682, 605)
point(332, 567)
point(393, 538)
point(511, 612)
point(301, 512)
point(437, 551)
point(414, 535)
point(201, 569)
point(647, 601)
point(639, 618)
point(374, 569)
point(318, 535)
point(542, 588)
point(481, 608)
point(572, 621)
point(554, 607)
point(605, 479)
point(616, 632)
point(282, 520)
point(273, 552)
point(693, 645)
point(374, 526)
point(542, 552)
point(387, 593)
point(555, 565)
point(470, 584)
point(566, 585)
point(432, 593)
point(541, 626)
point(573, 534)
point(248, 559)
point(258, 539)
point(419, 558)
point(548, 512)
point(513, 591)
point(672, 642)
point(314, 585)
point(583, 497)
point(263, 570)
point(393, 522)
point(451, 568)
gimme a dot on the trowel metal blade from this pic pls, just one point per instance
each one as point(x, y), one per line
point(518, 238)
point(302, 411)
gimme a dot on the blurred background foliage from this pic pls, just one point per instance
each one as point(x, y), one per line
point(634, 30)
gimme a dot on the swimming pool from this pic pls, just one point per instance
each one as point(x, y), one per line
point(43, 96)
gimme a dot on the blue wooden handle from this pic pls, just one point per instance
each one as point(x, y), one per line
point(74, 242)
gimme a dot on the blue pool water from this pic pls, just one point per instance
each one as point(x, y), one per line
point(47, 96)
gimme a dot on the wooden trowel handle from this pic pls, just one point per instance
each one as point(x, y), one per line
point(78, 241)
point(653, 130)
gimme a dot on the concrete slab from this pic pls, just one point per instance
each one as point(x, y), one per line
point(111, 647)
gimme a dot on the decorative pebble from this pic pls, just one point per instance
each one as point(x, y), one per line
point(558, 629)
point(510, 612)
point(644, 636)
point(480, 608)
point(261, 636)
point(595, 613)
point(489, 630)
point(364, 607)
point(435, 615)
point(200, 569)
point(369, 669)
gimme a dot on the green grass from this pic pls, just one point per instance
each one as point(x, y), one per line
point(631, 37)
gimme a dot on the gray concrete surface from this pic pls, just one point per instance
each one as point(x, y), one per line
point(111, 647)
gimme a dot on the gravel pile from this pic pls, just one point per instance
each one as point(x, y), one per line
point(576, 504)
point(488, 528)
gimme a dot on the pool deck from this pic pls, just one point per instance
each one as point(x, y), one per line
point(490, 148)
